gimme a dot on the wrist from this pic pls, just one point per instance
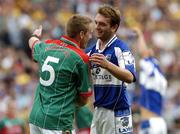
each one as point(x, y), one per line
point(107, 65)
point(34, 35)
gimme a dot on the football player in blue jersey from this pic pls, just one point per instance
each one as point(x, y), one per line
point(153, 85)
point(112, 67)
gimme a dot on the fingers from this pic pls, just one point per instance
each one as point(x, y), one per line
point(97, 62)
point(99, 59)
point(97, 56)
point(38, 31)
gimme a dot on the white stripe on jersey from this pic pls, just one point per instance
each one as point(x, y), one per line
point(101, 76)
point(120, 58)
point(107, 45)
point(124, 58)
point(89, 53)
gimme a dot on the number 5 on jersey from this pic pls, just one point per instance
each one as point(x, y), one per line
point(50, 69)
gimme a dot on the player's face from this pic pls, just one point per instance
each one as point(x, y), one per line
point(87, 36)
point(103, 29)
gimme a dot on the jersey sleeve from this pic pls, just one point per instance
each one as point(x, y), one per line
point(126, 60)
point(129, 62)
point(84, 80)
point(36, 50)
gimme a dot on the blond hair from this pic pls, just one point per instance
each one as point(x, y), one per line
point(110, 12)
point(76, 24)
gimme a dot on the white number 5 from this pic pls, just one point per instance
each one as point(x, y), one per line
point(50, 69)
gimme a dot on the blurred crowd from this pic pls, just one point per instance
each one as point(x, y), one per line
point(159, 20)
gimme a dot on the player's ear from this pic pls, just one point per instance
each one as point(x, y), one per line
point(81, 34)
point(114, 28)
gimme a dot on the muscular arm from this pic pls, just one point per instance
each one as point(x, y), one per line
point(119, 73)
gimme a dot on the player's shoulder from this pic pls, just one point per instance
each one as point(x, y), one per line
point(81, 54)
point(77, 52)
point(46, 43)
point(90, 48)
point(121, 44)
point(39, 46)
point(52, 41)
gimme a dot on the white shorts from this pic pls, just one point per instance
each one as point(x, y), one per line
point(106, 121)
point(155, 125)
point(37, 130)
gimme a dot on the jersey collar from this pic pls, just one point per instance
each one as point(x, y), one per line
point(70, 41)
point(107, 45)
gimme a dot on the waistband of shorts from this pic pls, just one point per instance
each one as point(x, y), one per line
point(147, 122)
point(120, 112)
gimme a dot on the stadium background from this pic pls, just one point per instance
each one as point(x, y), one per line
point(159, 20)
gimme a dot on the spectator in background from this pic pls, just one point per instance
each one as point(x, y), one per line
point(10, 124)
point(112, 67)
point(64, 79)
point(153, 85)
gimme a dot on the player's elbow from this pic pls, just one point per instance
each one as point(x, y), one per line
point(129, 78)
point(81, 101)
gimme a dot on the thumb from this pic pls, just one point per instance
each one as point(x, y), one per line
point(38, 31)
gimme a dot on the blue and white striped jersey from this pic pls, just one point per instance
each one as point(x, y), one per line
point(110, 92)
point(153, 85)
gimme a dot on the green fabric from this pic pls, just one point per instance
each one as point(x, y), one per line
point(65, 75)
point(83, 117)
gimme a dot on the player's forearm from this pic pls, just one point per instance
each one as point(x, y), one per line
point(35, 37)
point(142, 47)
point(119, 73)
point(32, 41)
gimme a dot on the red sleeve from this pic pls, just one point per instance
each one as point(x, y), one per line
point(86, 94)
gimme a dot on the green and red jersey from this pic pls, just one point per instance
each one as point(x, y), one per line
point(63, 72)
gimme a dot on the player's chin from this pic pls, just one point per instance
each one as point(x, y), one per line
point(98, 35)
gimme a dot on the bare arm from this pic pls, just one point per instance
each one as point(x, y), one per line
point(142, 47)
point(119, 73)
point(34, 39)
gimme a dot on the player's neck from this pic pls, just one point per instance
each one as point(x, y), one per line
point(103, 43)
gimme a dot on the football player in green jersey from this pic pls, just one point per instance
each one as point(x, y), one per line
point(63, 77)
